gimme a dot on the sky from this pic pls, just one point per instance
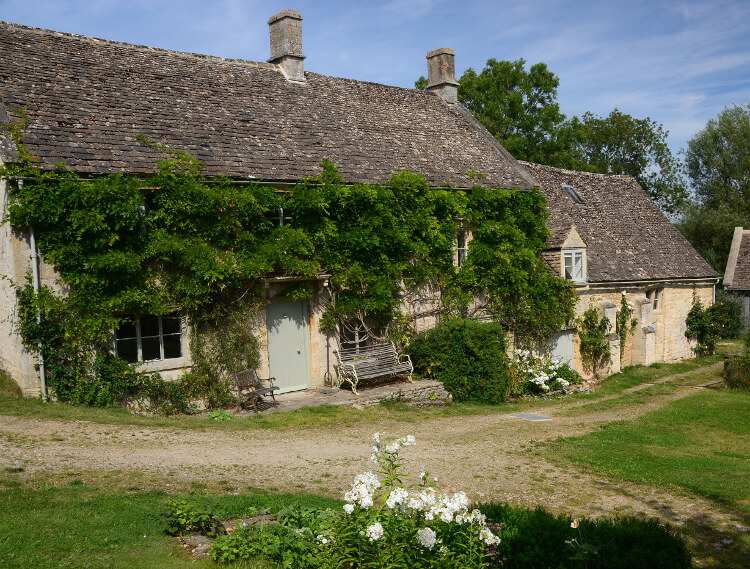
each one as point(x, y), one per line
point(679, 62)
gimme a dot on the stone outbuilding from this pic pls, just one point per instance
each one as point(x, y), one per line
point(737, 273)
point(609, 238)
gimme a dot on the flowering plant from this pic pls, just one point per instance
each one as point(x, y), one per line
point(385, 522)
point(542, 375)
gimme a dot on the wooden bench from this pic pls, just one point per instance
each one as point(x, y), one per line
point(369, 362)
point(251, 389)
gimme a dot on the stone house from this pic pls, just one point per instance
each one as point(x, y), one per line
point(609, 238)
point(737, 273)
point(88, 101)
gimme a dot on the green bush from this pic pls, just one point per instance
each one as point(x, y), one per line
point(702, 328)
point(737, 371)
point(531, 539)
point(186, 517)
point(467, 357)
point(726, 312)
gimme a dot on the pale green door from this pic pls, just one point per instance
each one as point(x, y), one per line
point(288, 351)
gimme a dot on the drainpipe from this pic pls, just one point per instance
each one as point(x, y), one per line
point(37, 285)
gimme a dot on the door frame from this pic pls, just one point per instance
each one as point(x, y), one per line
point(305, 305)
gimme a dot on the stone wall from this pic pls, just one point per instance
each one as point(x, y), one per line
point(659, 335)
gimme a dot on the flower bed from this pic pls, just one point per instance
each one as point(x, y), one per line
point(386, 521)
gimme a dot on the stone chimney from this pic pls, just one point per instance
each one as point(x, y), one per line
point(285, 30)
point(441, 74)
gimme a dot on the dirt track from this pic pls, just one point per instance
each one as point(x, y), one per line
point(490, 456)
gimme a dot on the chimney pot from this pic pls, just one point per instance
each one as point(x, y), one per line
point(441, 74)
point(285, 31)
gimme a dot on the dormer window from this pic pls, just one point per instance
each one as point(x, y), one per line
point(573, 194)
point(574, 265)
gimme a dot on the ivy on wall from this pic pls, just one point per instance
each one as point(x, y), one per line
point(126, 246)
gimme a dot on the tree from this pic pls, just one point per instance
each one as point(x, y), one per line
point(622, 144)
point(717, 161)
point(519, 107)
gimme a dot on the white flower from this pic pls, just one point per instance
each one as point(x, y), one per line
point(410, 440)
point(363, 488)
point(574, 524)
point(392, 448)
point(375, 531)
point(426, 538)
point(322, 539)
point(488, 537)
point(376, 438)
point(348, 508)
point(397, 497)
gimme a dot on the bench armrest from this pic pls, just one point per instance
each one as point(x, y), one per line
point(403, 358)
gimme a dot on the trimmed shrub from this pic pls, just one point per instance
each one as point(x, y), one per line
point(535, 538)
point(467, 357)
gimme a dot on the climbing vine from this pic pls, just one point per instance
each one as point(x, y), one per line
point(625, 324)
point(593, 332)
point(127, 246)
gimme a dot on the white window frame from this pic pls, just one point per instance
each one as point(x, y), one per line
point(139, 343)
point(462, 246)
point(579, 275)
point(656, 296)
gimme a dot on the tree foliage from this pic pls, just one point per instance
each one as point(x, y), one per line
point(718, 166)
point(622, 144)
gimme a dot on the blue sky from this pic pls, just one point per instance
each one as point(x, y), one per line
point(678, 62)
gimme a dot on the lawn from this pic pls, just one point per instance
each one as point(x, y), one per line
point(700, 443)
point(84, 526)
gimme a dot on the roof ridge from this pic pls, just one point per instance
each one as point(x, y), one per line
point(143, 47)
point(193, 54)
point(569, 171)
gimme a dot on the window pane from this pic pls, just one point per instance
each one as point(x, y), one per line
point(128, 350)
point(172, 346)
point(149, 326)
point(126, 330)
point(150, 349)
point(170, 324)
point(579, 266)
point(568, 266)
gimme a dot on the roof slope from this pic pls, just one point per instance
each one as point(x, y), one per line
point(627, 237)
point(88, 100)
point(737, 274)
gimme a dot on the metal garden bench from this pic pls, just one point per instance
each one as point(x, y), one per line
point(369, 362)
point(251, 389)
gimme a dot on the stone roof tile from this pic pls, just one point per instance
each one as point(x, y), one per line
point(88, 100)
point(627, 237)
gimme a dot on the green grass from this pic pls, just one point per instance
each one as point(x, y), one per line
point(327, 416)
point(83, 526)
point(700, 443)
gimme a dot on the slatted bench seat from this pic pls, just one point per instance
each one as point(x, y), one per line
point(251, 389)
point(369, 362)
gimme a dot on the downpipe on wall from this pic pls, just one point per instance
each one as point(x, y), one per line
point(36, 282)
